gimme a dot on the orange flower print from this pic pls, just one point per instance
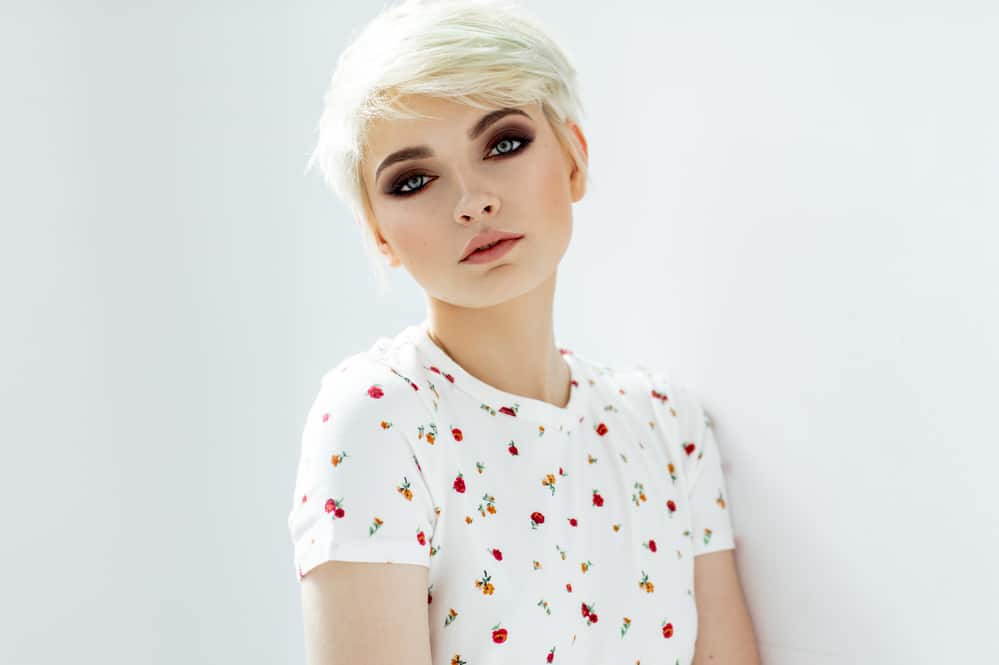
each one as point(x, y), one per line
point(585, 566)
point(561, 552)
point(672, 472)
point(549, 482)
point(720, 501)
point(385, 424)
point(639, 495)
point(485, 585)
point(336, 459)
point(376, 524)
point(707, 535)
point(541, 430)
point(480, 467)
point(544, 604)
point(451, 616)
point(404, 489)
point(490, 508)
point(645, 583)
point(430, 436)
point(625, 625)
point(456, 660)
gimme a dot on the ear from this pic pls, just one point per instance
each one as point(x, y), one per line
point(385, 249)
point(577, 181)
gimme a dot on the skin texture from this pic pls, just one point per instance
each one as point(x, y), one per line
point(725, 631)
point(495, 319)
point(361, 613)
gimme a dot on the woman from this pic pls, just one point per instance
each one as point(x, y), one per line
point(469, 490)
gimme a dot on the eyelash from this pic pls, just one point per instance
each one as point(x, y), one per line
point(524, 142)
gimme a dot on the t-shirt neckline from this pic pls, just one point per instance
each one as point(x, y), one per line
point(525, 408)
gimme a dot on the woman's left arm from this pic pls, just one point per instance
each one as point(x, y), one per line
point(725, 634)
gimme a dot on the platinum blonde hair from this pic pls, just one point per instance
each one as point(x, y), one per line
point(485, 53)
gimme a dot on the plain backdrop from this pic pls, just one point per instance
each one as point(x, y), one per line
point(794, 211)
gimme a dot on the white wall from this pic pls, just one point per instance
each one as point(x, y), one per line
point(794, 210)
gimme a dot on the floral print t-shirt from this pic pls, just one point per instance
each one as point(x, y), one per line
point(551, 534)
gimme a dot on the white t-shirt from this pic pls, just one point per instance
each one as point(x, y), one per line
point(551, 535)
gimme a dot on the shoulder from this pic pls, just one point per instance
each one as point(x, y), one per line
point(366, 388)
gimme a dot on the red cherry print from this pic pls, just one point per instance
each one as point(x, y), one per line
point(375, 391)
point(601, 429)
point(668, 630)
point(573, 522)
point(449, 378)
point(434, 369)
point(597, 499)
point(671, 506)
point(497, 554)
point(415, 387)
point(326, 417)
point(304, 498)
point(499, 635)
point(652, 545)
point(338, 512)
point(689, 447)
point(422, 538)
point(586, 610)
point(568, 587)
point(537, 518)
point(550, 657)
point(456, 433)
point(459, 484)
point(593, 617)
point(507, 410)
point(575, 383)
point(330, 505)
point(513, 449)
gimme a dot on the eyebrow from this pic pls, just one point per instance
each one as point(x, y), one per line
point(423, 151)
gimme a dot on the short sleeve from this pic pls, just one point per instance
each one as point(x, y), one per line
point(359, 492)
point(711, 519)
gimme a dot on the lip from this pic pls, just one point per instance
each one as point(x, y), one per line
point(493, 253)
point(485, 238)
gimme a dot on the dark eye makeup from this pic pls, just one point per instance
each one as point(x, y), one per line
point(399, 183)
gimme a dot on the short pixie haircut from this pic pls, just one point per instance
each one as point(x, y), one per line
point(485, 53)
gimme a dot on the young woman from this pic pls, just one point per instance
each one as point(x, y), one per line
point(469, 490)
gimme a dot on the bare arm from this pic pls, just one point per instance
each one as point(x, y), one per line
point(361, 613)
point(725, 634)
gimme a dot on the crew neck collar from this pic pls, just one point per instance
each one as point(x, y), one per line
point(525, 408)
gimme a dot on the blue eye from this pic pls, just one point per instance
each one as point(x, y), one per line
point(397, 189)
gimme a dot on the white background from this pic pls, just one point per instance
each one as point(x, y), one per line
point(794, 211)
